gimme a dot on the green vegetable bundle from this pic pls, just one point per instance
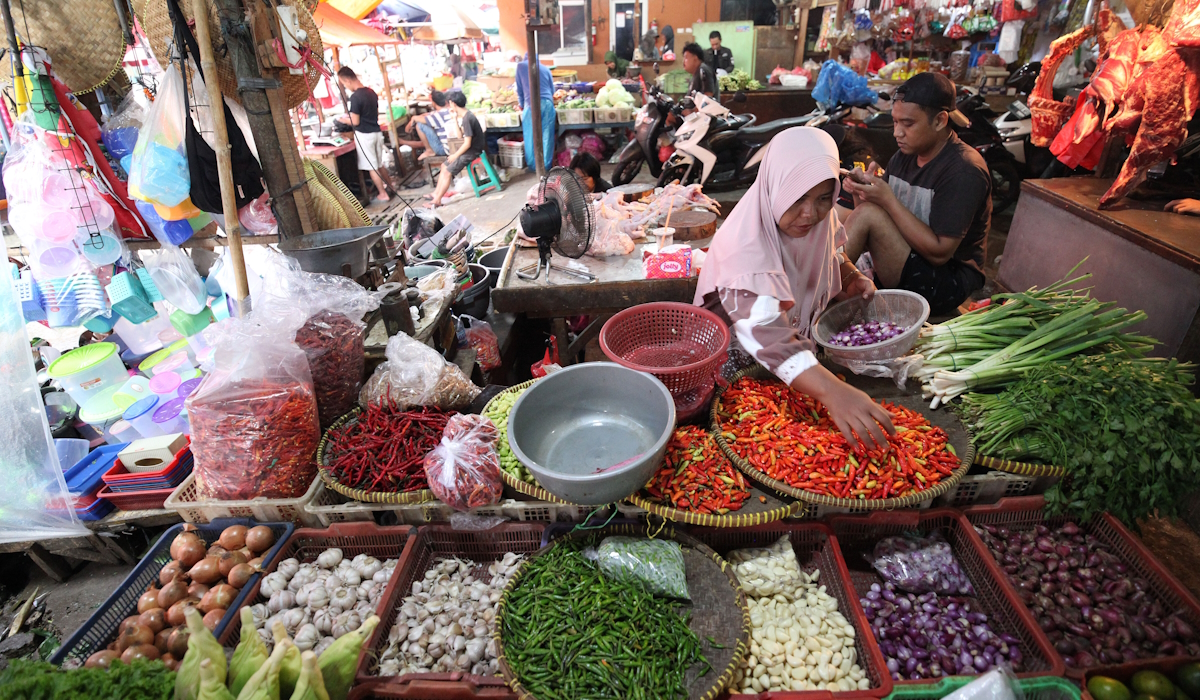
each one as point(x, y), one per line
point(739, 80)
point(1127, 432)
point(37, 680)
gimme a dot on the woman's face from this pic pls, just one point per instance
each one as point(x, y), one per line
point(808, 211)
point(586, 181)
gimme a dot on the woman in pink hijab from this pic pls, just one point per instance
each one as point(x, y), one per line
point(774, 265)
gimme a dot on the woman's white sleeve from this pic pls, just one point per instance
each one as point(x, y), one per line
point(763, 330)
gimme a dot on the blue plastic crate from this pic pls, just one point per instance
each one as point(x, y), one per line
point(96, 511)
point(86, 477)
point(101, 627)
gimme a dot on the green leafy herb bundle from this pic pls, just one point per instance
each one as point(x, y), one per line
point(38, 680)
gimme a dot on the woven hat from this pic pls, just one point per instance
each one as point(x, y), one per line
point(82, 37)
point(156, 23)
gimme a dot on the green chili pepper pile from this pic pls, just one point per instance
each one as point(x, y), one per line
point(570, 632)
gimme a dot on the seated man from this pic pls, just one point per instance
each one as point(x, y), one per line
point(430, 128)
point(926, 224)
point(473, 145)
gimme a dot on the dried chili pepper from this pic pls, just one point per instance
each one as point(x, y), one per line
point(384, 448)
point(464, 470)
point(333, 345)
point(790, 437)
point(697, 477)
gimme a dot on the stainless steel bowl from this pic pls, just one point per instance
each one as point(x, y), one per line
point(592, 433)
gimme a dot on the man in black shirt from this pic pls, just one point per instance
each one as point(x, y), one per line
point(718, 57)
point(473, 145)
point(704, 80)
point(926, 224)
point(368, 137)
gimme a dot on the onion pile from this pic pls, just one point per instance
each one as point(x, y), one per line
point(1084, 598)
point(930, 636)
point(869, 333)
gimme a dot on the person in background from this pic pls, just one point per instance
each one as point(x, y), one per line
point(430, 128)
point(853, 152)
point(617, 66)
point(1184, 206)
point(649, 46)
point(454, 62)
point(587, 168)
point(473, 145)
point(704, 79)
point(926, 221)
point(525, 100)
point(718, 58)
point(368, 137)
point(668, 36)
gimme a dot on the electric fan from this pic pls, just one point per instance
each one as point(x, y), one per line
point(560, 220)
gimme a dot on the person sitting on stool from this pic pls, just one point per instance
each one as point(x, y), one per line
point(430, 128)
point(473, 145)
point(368, 137)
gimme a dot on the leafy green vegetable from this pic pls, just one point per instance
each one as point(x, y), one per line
point(38, 680)
point(739, 80)
point(1127, 431)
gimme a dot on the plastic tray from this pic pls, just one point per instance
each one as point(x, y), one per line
point(86, 475)
point(1124, 672)
point(988, 488)
point(574, 116)
point(433, 542)
point(183, 467)
point(1027, 512)
point(136, 500)
point(100, 628)
point(612, 115)
point(1006, 615)
point(287, 510)
point(1041, 688)
point(95, 511)
point(816, 548)
point(306, 543)
point(120, 475)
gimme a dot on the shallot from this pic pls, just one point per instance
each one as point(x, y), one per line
point(869, 333)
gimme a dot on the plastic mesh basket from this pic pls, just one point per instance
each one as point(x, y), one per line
point(195, 510)
point(683, 345)
point(1044, 688)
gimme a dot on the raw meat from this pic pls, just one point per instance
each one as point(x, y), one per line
point(1108, 84)
point(1183, 28)
point(1049, 115)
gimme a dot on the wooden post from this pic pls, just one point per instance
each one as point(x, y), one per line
point(535, 101)
point(801, 37)
point(233, 229)
point(387, 89)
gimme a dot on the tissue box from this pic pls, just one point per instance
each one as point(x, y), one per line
point(152, 454)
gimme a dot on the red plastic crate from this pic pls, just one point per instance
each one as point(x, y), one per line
point(1027, 512)
point(433, 542)
point(136, 500)
point(816, 548)
point(119, 474)
point(430, 690)
point(857, 535)
point(1124, 672)
point(352, 538)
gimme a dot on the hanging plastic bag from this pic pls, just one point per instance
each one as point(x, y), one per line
point(257, 217)
point(175, 275)
point(416, 375)
point(120, 131)
point(480, 336)
point(159, 169)
point(656, 565)
point(839, 84)
point(254, 417)
point(464, 470)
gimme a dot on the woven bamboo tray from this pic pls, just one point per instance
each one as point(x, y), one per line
point(718, 608)
point(395, 498)
point(1022, 468)
point(960, 439)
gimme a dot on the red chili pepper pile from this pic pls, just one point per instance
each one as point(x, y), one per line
point(790, 437)
point(383, 449)
point(334, 346)
point(697, 477)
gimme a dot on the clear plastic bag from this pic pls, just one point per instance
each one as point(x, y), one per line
point(257, 217)
point(254, 417)
point(768, 571)
point(657, 565)
point(464, 470)
point(997, 684)
point(921, 565)
point(175, 275)
point(416, 375)
point(159, 169)
point(120, 132)
point(419, 223)
point(480, 336)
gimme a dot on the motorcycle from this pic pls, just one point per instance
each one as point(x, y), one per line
point(651, 136)
point(982, 135)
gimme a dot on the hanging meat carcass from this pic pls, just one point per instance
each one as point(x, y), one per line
point(1108, 84)
point(1049, 115)
point(1183, 29)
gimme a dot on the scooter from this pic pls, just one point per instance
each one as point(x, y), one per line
point(650, 129)
point(982, 135)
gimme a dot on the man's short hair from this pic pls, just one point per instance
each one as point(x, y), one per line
point(694, 49)
point(458, 98)
point(347, 72)
point(714, 34)
point(438, 97)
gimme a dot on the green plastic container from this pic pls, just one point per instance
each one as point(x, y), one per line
point(1042, 688)
point(88, 370)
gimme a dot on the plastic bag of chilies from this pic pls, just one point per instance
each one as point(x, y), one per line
point(839, 84)
point(657, 565)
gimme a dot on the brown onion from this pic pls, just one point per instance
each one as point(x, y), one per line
point(101, 659)
point(169, 661)
point(229, 560)
point(162, 639)
point(155, 619)
point(206, 571)
point(215, 551)
point(240, 575)
point(173, 592)
point(175, 616)
point(213, 618)
point(197, 590)
point(259, 539)
point(256, 562)
point(177, 642)
point(140, 651)
point(188, 548)
point(137, 633)
point(221, 596)
point(127, 622)
point(233, 537)
point(168, 572)
point(148, 600)
point(247, 552)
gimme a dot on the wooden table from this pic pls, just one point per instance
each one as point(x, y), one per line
point(1140, 256)
point(621, 284)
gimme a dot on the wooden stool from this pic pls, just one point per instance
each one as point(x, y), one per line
point(492, 181)
point(431, 163)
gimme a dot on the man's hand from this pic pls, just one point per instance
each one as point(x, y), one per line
point(868, 188)
point(1190, 207)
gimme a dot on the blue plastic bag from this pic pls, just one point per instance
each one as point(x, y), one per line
point(839, 84)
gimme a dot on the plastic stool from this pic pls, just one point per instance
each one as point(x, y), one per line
point(493, 181)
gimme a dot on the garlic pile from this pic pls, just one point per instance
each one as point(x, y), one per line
point(799, 640)
point(446, 625)
point(322, 601)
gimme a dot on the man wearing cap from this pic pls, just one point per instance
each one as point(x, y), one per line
point(925, 221)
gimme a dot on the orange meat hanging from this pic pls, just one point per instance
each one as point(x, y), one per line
point(790, 437)
point(697, 477)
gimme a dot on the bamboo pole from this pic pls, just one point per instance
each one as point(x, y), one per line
point(224, 164)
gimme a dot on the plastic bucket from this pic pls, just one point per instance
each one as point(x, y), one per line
point(141, 416)
point(177, 363)
point(474, 301)
point(103, 248)
point(100, 412)
point(147, 366)
point(140, 338)
point(84, 372)
point(58, 225)
point(70, 451)
point(186, 388)
point(171, 417)
point(121, 432)
point(55, 260)
point(165, 386)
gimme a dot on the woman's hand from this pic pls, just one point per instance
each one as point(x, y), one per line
point(851, 409)
point(1184, 206)
point(859, 285)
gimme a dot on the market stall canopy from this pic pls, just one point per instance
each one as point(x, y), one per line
point(400, 11)
point(355, 9)
point(448, 24)
point(338, 29)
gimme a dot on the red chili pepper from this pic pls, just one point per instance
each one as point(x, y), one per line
point(384, 449)
point(696, 476)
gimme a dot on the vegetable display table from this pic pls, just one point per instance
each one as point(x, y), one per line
point(1142, 257)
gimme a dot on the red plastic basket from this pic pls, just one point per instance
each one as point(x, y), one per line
point(1029, 511)
point(682, 345)
point(135, 500)
point(816, 548)
point(857, 536)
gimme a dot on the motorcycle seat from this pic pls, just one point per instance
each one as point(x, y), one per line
point(761, 134)
point(731, 122)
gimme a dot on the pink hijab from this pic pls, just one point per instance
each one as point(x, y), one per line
point(750, 253)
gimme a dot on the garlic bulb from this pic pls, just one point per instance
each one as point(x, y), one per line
point(272, 582)
point(281, 600)
point(288, 567)
point(346, 623)
point(367, 567)
point(307, 637)
point(329, 558)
